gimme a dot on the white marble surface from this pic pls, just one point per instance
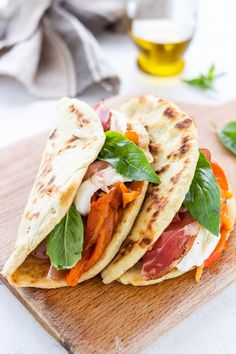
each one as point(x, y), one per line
point(211, 329)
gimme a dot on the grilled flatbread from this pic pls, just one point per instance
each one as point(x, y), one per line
point(174, 147)
point(133, 275)
point(71, 148)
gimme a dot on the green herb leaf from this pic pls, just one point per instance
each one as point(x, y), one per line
point(205, 81)
point(127, 158)
point(227, 136)
point(65, 241)
point(203, 197)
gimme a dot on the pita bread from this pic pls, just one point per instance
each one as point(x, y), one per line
point(71, 147)
point(33, 272)
point(173, 144)
point(133, 275)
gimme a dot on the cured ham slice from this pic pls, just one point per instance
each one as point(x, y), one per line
point(110, 118)
point(55, 274)
point(207, 153)
point(40, 251)
point(104, 115)
point(95, 167)
point(172, 245)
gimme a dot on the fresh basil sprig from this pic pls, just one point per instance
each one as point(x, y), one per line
point(128, 160)
point(205, 81)
point(65, 241)
point(203, 197)
point(227, 136)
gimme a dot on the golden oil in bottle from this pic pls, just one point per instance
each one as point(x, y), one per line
point(162, 44)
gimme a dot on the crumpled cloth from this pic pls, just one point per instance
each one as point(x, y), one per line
point(49, 47)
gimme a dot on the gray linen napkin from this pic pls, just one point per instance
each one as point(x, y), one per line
point(49, 47)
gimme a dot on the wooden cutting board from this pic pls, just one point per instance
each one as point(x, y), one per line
point(98, 318)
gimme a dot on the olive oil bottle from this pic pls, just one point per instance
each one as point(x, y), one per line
point(162, 43)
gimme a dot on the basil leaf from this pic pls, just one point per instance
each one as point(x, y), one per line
point(227, 136)
point(128, 160)
point(205, 81)
point(65, 241)
point(203, 197)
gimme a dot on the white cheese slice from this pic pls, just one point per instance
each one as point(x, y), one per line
point(100, 180)
point(203, 246)
point(84, 195)
point(118, 121)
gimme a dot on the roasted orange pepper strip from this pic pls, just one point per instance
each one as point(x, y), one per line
point(132, 136)
point(219, 175)
point(75, 272)
point(127, 195)
point(222, 245)
point(100, 225)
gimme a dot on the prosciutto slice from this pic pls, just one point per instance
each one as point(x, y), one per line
point(104, 115)
point(110, 118)
point(207, 153)
point(95, 167)
point(55, 274)
point(40, 251)
point(172, 245)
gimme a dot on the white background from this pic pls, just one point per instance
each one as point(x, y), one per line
point(212, 328)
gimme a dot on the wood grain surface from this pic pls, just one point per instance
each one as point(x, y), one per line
point(97, 318)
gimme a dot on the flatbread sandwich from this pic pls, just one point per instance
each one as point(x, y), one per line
point(88, 191)
point(186, 220)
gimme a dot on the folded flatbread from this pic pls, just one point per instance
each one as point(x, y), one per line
point(71, 148)
point(174, 146)
point(134, 276)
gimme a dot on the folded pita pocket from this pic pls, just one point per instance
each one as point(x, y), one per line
point(71, 147)
point(174, 146)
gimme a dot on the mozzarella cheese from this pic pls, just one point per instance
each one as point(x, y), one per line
point(99, 180)
point(203, 246)
point(84, 195)
point(118, 122)
point(104, 178)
